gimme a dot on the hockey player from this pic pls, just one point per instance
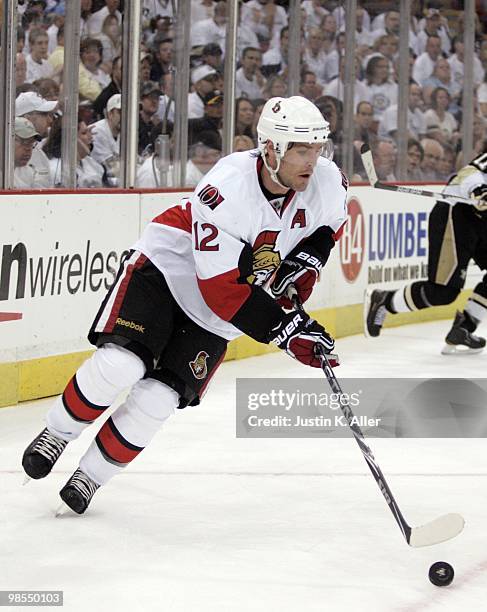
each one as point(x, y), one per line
point(196, 279)
point(457, 233)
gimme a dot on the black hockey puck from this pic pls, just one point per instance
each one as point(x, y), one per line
point(441, 573)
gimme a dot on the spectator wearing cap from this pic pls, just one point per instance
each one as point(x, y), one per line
point(149, 121)
point(27, 173)
point(211, 30)
point(114, 87)
point(211, 121)
point(163, 55)
point(249, 81)
point(202, 78)
point(211, 55)
point(37, 65)
point(94, 23)
point(201, 10)
point(433, 25)
point(106, 134)
point(37, 110)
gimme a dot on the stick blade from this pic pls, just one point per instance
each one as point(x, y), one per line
point(443, 528)
point(368, 163)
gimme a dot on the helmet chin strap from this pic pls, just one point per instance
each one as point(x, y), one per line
point(274, 173)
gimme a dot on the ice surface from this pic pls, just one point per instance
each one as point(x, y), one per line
point(202, 521)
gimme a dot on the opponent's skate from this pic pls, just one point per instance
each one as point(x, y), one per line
point(41, 454)
point(460, 339)
point(77, 492)
point(374, 312)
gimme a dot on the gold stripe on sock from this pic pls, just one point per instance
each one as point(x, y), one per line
point(448, 259)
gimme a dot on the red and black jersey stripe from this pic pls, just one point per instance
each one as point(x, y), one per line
point(114, 447)
point(77, 406)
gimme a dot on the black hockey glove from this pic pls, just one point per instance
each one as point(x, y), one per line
point(300, 336)
point(302, 271)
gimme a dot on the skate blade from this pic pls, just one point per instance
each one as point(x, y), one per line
point(62, 509)
point(459, 349)
point(27, 479)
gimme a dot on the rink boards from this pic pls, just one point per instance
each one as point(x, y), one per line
point(60, 252)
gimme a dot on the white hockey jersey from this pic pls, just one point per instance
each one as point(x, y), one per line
point(469, 178)
point(199, 244)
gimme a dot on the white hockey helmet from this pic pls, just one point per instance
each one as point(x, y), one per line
point(287, 120)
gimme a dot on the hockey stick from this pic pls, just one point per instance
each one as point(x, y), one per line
point(441, 529)
point(368, 163)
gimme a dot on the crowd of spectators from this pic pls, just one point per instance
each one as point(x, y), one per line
point(436, 61)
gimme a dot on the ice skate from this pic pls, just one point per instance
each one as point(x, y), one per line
point(41, 454)
point(77, 492)
point(374, 312)
point(461, 341)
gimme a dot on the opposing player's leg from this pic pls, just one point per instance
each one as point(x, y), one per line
point(129, 332)
point(181, 376)
point(453, 242)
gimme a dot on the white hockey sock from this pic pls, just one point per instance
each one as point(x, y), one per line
point(93, 388)
point(398, 302)
point(128, 431)
point(475, 310)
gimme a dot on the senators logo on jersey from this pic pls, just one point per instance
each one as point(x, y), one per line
point(198, 366)
point(266, 258)
point(210, 196)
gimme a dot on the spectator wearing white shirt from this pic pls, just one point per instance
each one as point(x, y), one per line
point(94, 23)
point(201, 10)
point(27, 175)
point(382, 91)
point(89, 173)
point(37, 65)
point(424, 64)
point(440, 123)
point(336, 86)
point(416, 123)
point(152, 8)
point(38, 111)
point(203, 79)
point(441, 77)
point(314, 56)
point(433, 25)
point(211, 30)
point(249, 82)
point(86, 6)
point(310, 88)
point(274, 61)
point(106, 134)
point(314, 13)
point(456, 62)
point(264, 17)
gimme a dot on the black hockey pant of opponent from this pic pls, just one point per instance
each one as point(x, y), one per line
point(457, 235)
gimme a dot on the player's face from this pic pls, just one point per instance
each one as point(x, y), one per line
point(298, 164)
